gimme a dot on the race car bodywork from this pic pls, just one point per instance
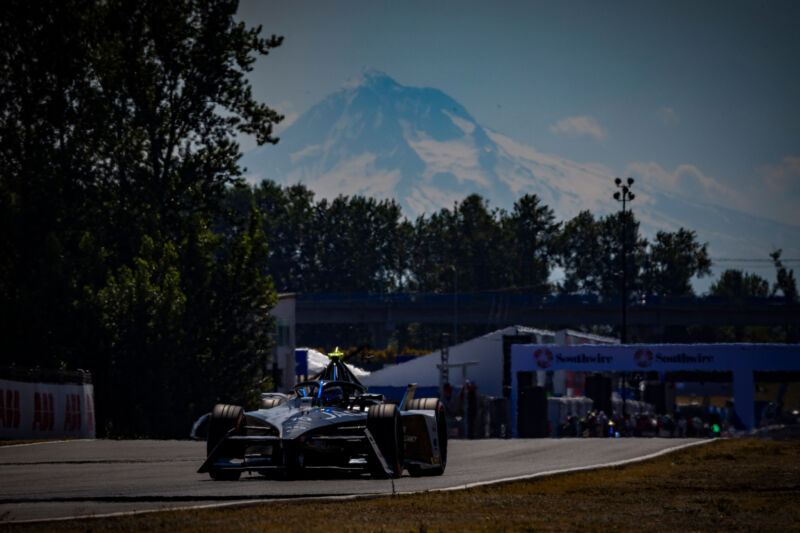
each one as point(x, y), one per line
point(330, 421)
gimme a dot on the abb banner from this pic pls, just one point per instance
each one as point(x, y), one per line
point(46, 410)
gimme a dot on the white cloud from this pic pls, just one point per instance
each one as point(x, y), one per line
point(308, 151)
point(778, 191)
point(689, 182)
point(783, 177)
point(254, 179)
point(668, 115)
point(774, 196)
point(584, 126)
point(286, 109)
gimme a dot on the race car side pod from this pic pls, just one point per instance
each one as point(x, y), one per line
point(408, 396)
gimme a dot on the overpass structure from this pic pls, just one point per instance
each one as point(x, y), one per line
point(500, 309)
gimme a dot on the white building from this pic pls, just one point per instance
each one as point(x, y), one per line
point(481, 361)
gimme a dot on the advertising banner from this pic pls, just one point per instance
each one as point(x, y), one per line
point(655, 357)
point(301, 362)
point(741, 359)
point(46, 410)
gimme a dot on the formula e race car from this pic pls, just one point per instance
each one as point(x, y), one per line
point(330, 421)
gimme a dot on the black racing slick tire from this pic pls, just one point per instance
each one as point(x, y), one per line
point(431, 404)
point(269, 403)
point(419, 404)
point(223, 419)
point(383, 422)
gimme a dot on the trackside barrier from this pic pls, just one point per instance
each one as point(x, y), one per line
point(46, 410)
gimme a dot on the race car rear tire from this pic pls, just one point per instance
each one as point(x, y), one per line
point(383, 422)
point(432, 404)
point(269, 403)
point(419, 404)
point(223, 418)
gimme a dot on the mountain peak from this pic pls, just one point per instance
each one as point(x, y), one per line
point(419, 146)
point(370, 77)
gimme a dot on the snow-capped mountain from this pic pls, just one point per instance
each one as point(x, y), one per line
point(375, 137)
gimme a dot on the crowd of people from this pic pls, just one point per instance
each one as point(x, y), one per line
point(470, 415)
point(598, 424)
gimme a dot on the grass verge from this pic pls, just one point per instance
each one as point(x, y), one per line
point(727, 485)
point(34, 441)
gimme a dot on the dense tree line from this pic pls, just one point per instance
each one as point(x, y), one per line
point(358, 244)
point(363, 245)
point(118, 125)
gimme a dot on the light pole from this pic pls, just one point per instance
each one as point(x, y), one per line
point(455, 304)
point(624, 195)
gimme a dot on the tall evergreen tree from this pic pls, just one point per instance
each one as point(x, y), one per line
point(785, 282)
point(581, 255)
point(531, 245)
point(737, 284)
point(673, 259)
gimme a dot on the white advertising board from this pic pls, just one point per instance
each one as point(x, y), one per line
point(46, 410)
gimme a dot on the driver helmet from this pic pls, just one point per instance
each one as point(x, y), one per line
point(332, 394)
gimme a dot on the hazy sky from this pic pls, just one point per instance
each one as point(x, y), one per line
point(705, 88)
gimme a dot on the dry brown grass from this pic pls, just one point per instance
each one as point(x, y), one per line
point(731, 485)
point(31, 441)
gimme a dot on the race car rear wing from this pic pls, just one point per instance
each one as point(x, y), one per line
point(408, 396)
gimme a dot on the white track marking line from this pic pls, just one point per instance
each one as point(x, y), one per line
point(569, 470)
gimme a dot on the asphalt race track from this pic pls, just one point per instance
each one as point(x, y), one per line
point(98, 477)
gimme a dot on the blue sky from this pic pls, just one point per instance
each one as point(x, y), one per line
point(704, 90)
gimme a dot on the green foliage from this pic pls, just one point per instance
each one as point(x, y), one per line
point(532, 233)
point(673, 259)
point(785, 282)
point(473, 248)
point(580, 252)
point(590, 251)
point(118, 145)
point(351, 244)
point(736, 284)
point(140, 307)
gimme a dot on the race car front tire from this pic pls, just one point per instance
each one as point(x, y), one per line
point(431, 404)
point(223, 418)
point(383, 422)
